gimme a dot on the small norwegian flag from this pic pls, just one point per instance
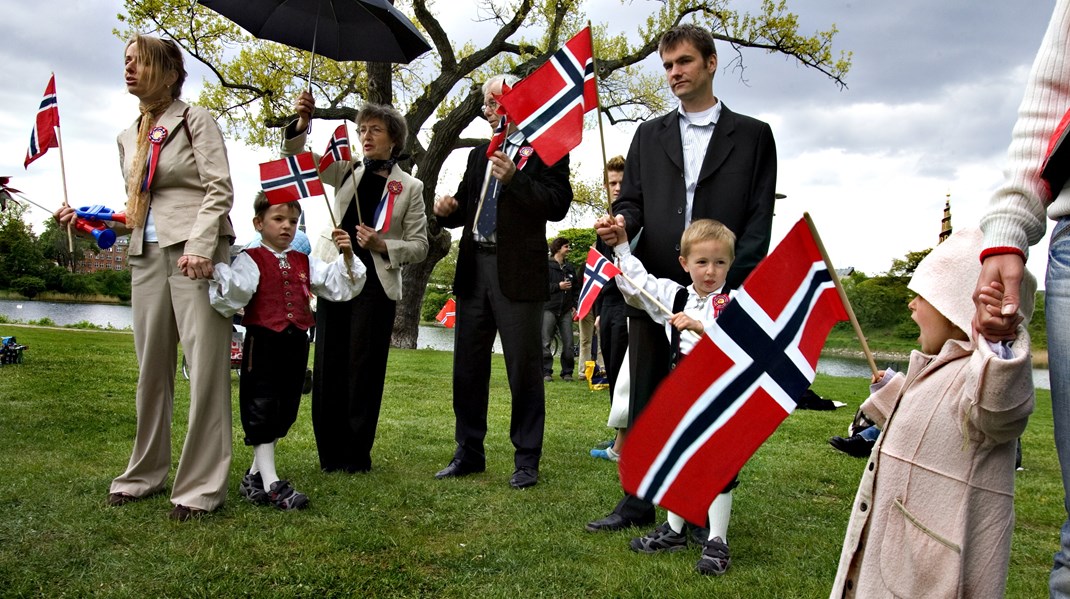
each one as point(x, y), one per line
point(338, 149)
point(598, 271)
point(497, 140)
point(447, 316)
point(290, 178)
point(43, 135)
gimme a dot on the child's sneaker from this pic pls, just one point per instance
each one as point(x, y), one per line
point(252, 489)
point(606, 454)
point(285, 497)
point(715, 559)
point(662, 538)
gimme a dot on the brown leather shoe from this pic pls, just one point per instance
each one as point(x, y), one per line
point(182, 513)
point(118, 499)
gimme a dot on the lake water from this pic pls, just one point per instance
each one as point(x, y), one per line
point(431, 337)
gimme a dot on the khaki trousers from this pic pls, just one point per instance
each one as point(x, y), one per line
point(168, 307)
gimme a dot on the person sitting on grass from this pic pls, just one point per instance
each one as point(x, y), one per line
point(707, 249)
point(934, 512)
point(275, 284)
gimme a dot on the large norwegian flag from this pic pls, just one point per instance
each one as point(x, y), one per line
point(548, 106)
point(738, 384)
point(43, 135)
point(290, 178)
point(338, 149)
point(596, 273)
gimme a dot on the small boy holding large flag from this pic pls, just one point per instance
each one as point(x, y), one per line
point(274, 284)
point(934, 513)
point(707, 250)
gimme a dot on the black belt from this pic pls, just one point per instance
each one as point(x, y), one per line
point(486, 248)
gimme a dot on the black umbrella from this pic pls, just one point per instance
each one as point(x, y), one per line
point(366, 30)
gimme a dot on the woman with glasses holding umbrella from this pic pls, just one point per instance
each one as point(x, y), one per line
point(381, 206)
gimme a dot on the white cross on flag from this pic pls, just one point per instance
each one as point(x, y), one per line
point(337, 149)
point(738, 384)
point(548, 106)
point(290, 178)
point(596, 273)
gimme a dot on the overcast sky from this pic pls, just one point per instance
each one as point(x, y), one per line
point(931, 99)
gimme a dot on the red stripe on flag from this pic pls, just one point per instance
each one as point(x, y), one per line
point(734, 444)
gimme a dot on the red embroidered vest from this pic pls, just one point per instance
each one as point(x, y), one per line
point(283, 294)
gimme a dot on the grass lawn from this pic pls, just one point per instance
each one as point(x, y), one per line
point(66, 428)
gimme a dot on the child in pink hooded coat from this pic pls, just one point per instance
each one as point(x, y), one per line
point(934, 513)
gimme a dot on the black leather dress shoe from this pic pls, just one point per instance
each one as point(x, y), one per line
point(458, 468)
point(524, 477)
point(615, 521)
point(855, 445)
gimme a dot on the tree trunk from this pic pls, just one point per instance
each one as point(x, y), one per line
point(415, 276)
point(380, 88)
point(413, 284)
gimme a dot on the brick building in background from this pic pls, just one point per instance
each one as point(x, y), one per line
point(113, 258)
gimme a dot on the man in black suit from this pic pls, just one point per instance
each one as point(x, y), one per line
point(503, 203)
point(699, 161)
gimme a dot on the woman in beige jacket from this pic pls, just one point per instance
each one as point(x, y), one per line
point(934, 512)
point(353, 338)
point(179, 198)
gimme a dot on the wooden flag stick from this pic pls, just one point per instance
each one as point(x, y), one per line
point(352, 176)
point(63, 175)
point(601, 133)
point(843, 294)
point(657, 303)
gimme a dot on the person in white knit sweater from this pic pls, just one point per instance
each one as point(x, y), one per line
point(1016, 221)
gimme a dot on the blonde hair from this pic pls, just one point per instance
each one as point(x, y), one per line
point(615, 164)
point(707, 229)
point(159, 56)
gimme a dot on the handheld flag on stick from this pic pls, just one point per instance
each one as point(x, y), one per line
point(338, 149)
point(497, 140)
point(598, 271)
point(548, 106)
point(290, 178)
point(43, 135)
point(447, 316)
point(740, 381)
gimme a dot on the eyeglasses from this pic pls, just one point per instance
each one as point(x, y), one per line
point(491, 104)
point(373, 129)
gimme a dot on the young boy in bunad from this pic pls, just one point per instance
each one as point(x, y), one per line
point(275, 283)
point(934, 513)
point(707, 250)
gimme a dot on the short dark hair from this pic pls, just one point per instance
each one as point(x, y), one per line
point(615, 164)
point(699, 37)
point(557, 244)
point(261, 205)
point(396, 126)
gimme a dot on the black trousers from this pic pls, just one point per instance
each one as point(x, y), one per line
point(613, 336)
point(649, 356)
point(272, 373)
point(482, 312)
point(349, 370)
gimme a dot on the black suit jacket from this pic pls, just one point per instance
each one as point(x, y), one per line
point(736, 186)
point(536, 194)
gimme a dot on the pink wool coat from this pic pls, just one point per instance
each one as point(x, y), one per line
point(934, 512)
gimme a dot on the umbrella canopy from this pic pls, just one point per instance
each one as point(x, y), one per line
point(366, 30)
